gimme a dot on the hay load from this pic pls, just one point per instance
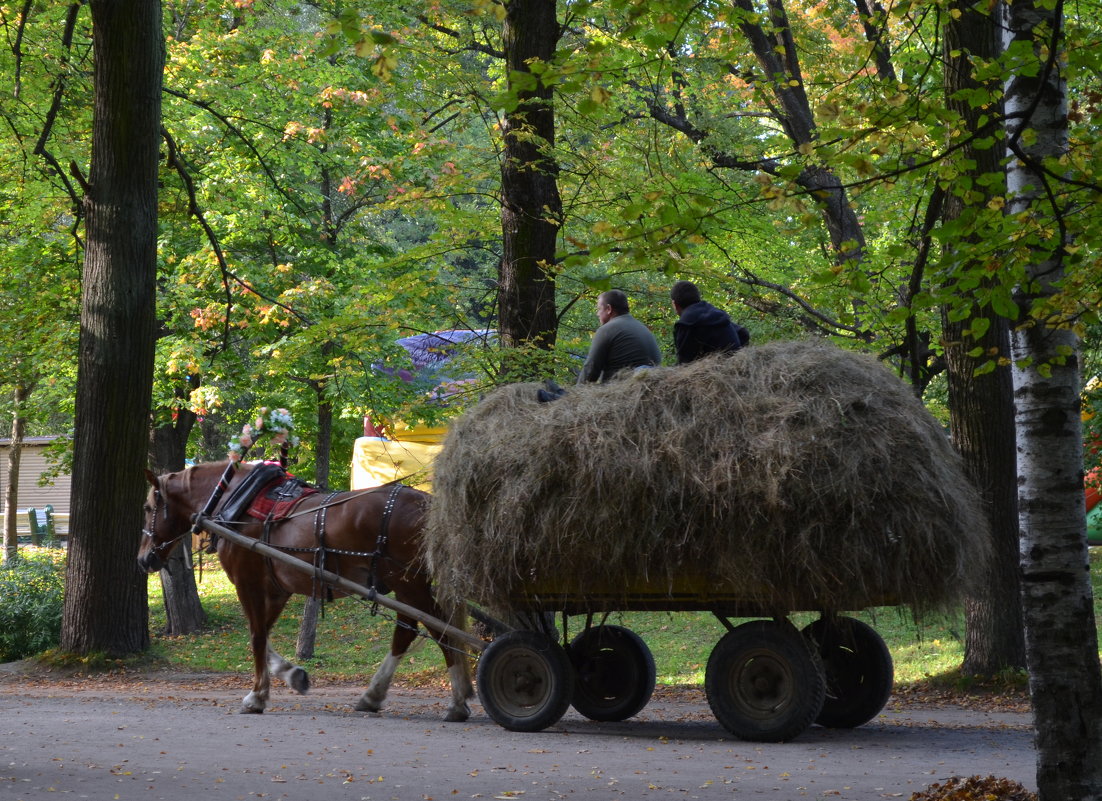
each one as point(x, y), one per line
point(796, 474)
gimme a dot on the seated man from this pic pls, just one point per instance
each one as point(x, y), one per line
point(621, 342)
point(702, 328)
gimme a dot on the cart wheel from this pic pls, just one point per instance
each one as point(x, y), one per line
point(763, 682)
point(858, 670)
point(614, 673)
point(525, 681)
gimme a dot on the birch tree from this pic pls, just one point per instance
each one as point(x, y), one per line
point(1061, 637)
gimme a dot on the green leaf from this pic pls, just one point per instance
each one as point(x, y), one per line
point(978, 327)
point(1003, 304)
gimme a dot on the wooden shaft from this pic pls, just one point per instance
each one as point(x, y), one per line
point(340, 582)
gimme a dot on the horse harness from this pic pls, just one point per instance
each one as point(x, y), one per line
point(151, 532)
point(321, 551)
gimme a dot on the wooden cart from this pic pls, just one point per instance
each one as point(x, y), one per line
point(765, 679)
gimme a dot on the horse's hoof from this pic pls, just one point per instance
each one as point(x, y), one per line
point(250, 710)
point(458, 715)
point(363, 705)
point(300, 681)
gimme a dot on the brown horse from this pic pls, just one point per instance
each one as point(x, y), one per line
point(352, 523)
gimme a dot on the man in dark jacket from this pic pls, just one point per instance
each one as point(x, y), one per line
point(702, 328)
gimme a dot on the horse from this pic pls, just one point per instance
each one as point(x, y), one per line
point(353, 533)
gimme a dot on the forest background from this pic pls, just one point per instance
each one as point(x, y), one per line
point(916, 180)
point(331, 181)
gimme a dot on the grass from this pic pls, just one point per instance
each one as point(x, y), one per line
point(351, 641)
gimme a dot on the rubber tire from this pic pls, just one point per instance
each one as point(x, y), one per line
point(614, 673)
point(858, 669)
point(525, 681)
point(764, 683)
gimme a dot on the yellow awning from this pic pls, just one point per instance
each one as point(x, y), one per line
point(378, 461)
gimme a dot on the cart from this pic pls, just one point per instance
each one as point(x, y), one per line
point(765, 680)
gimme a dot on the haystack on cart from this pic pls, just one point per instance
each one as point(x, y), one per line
point(786, 477)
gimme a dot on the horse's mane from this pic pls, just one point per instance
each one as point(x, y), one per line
point(204, 467)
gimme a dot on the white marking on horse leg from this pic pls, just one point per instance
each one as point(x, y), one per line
point(375, 694)
point(462, 690)
point(292, 675)
point(254, 703)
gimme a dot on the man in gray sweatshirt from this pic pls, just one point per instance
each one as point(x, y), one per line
point(621, 343)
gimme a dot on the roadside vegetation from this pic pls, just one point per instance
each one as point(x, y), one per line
point(30, 602)
point(351, 640)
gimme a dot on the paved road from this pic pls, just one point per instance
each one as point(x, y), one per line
point(142, 740)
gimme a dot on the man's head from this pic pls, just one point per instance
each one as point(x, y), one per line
point(611, 304)
point(684, 294)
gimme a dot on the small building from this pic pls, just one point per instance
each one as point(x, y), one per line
point(32, 464)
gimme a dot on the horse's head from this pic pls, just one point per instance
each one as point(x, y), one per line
point(166, 523)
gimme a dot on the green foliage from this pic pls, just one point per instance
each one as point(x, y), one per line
point(30, 603)
point(345, 164)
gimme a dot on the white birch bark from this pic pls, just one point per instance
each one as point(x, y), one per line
point(1061, 638)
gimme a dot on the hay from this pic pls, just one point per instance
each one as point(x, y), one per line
point(797, 474)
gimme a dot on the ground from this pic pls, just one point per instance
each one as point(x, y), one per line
point(160, 735)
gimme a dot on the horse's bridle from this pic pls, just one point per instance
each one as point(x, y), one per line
point(158, 547)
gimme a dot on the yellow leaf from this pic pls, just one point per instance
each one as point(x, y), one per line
point(384, 65)
point(600, 95)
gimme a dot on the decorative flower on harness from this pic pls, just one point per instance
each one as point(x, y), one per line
point(276, 422)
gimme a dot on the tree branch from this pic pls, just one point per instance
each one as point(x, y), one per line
point(476, 47)
point(828, 324)
point(874, 35)
point(17, 46)
point(51, 117)
point(174, 162)
point(244, 139)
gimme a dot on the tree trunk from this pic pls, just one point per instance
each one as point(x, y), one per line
point(531, 209)
point(1061, 638)
point(981, 406)
point(308, 628)
point(323, 457)
point(771, 39)
point(982, 421)
point(184, 612)
point(11, 492)
point(105, 608)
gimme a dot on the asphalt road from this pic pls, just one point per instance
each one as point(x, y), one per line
point(176, 738)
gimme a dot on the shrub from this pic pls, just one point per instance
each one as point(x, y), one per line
point(30, 604)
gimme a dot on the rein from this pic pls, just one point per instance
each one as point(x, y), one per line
point(345, 498)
